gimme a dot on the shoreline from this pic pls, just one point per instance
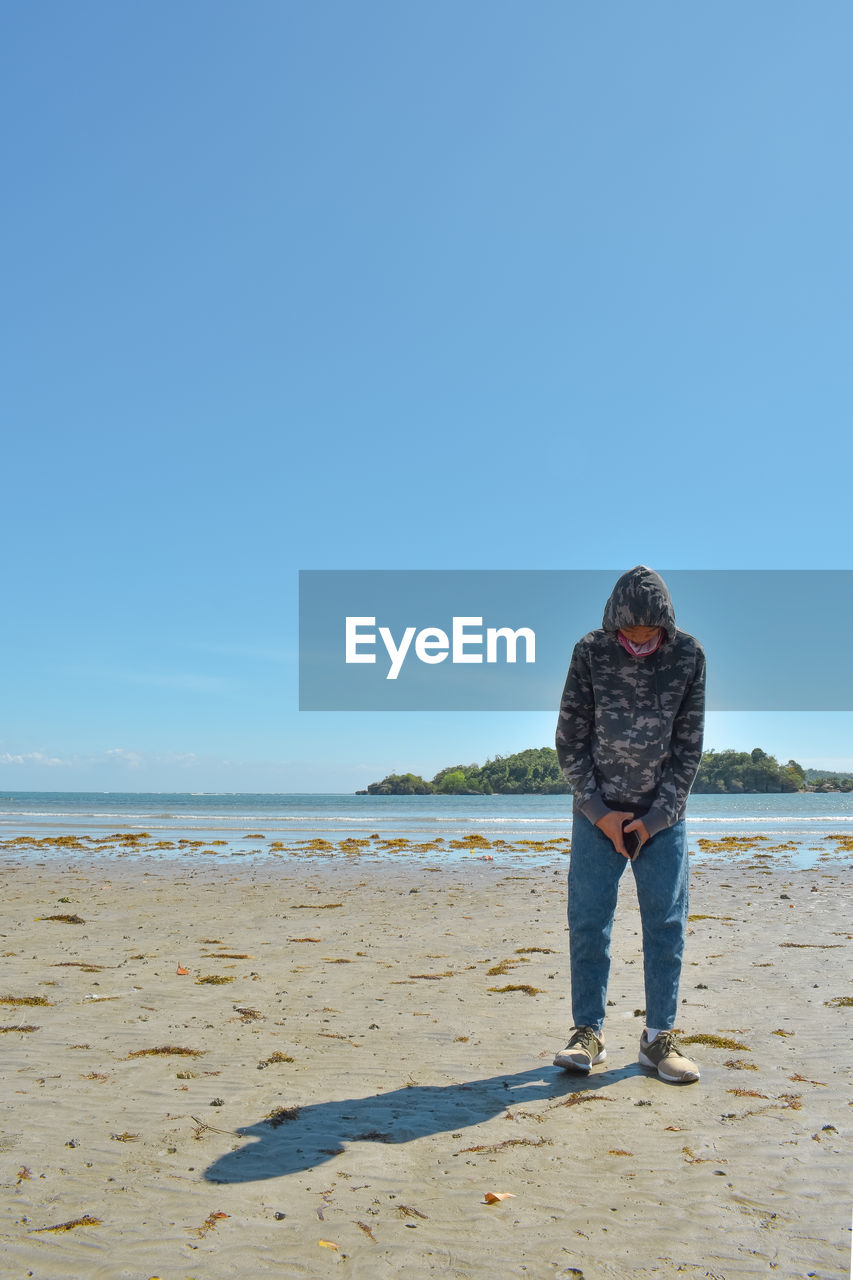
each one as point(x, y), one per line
point(361, 1072)
point(834, 849)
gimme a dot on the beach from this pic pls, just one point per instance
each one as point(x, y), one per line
point(312, 1066)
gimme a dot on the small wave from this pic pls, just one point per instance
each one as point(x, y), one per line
point(79, 813)
point(319, 818)
point(772, 819)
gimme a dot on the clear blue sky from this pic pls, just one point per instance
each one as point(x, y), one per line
point(384, 285)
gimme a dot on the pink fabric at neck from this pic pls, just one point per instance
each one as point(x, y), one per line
point(641, 650)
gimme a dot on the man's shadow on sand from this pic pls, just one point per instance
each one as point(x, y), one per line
point(308, 1136)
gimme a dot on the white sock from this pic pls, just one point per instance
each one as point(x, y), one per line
point(651, 1032)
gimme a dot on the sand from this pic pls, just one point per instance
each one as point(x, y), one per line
point(357, 1085)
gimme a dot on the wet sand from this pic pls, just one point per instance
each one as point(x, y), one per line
point(360, 1077)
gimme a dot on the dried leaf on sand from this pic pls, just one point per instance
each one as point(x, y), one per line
point(209, 1222)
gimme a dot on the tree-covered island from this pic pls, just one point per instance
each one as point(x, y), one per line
point(536, 772)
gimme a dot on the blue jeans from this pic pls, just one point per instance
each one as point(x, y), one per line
point(661, 874)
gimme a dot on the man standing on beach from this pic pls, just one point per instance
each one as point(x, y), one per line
point(629, 741)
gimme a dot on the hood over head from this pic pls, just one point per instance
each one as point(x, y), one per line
point(640, 599)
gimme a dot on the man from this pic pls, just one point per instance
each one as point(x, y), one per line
point(629, 741)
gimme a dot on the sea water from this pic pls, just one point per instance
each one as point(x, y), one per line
point(801, 819)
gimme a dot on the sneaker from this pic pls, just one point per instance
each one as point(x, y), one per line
point(583, 1051)
point(663, 1054)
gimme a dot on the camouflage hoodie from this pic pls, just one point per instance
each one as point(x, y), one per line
point(629, 735)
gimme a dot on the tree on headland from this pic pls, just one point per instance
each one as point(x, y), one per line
point(401, 784)
point(456, 779)
point(826, 780)
point(797, 770)
point(536, 772)
point(746, 772)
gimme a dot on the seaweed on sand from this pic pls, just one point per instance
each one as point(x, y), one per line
point(274, 1058)
point(575, 1099)
point(86, 1221)
point(280, 1115)
point(503, 967)
point(715, 1042)
point(509, 1142)
point(518, 986)
point(83, 965)
point(816, 946)
point(167, 1050)
point(209, 1223)
point(248, 1015)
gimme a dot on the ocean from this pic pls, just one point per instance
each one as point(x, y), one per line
point(804, 822)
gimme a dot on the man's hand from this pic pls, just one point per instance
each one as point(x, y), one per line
point(611, 825)
point(640, 827)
